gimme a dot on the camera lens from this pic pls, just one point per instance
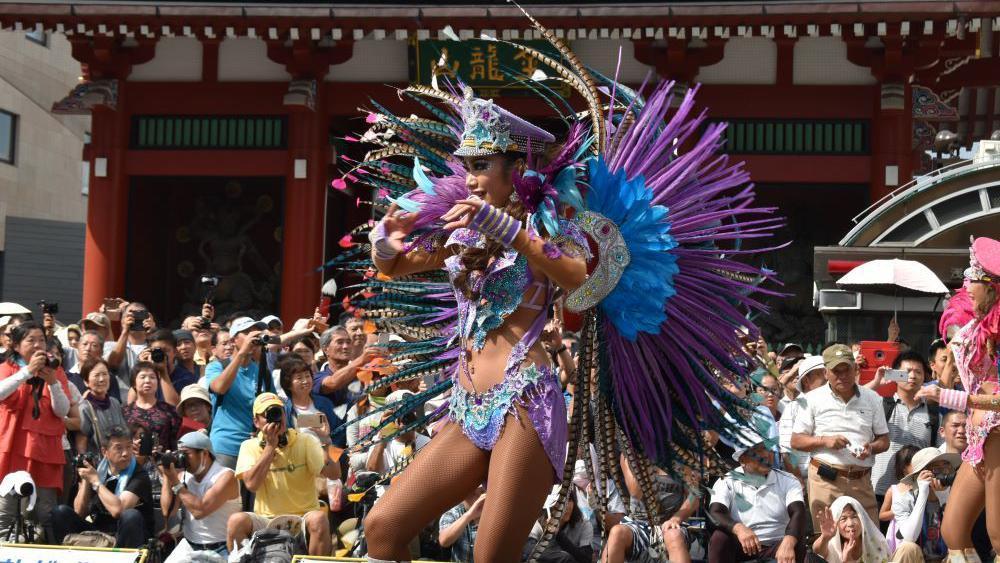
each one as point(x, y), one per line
point(274, 414)
point(157, 355)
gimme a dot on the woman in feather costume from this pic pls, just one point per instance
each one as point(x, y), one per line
point(663, 306)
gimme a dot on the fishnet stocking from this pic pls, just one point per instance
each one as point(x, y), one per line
point(441, 476)
point(520, 477)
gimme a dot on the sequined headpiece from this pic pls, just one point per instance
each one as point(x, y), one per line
point(984, 260)
point(490, 129)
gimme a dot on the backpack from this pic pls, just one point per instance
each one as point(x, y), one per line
point(272, 546)
point(933, 415)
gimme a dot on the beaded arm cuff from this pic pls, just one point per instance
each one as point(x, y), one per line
point(953, 399)
point(380, 242)
point(496, 224)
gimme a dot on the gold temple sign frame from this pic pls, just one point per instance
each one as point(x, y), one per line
point(492, 68)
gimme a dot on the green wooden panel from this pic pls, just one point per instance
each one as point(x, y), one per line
point(241, 132)
point(797, 136)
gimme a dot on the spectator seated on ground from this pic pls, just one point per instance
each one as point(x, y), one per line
point(387, 456)
point(571, 544)
point(759, 511)
point(457, 527)
point(636, 539)
point(116, 495)
point(914, 532)
point(280, 465)
point(847, 534)
point(205, 493)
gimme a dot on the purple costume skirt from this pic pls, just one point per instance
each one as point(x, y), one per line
point(482, 415)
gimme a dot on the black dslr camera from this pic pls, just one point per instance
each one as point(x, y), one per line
point(172, 459)
point(946, 478)
point(157, 355)
point(274, 414)
point(137, 319)
point(84, 459)
point(267, 339)
point(49, 308)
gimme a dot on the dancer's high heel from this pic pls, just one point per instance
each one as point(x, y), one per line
point(968, 555)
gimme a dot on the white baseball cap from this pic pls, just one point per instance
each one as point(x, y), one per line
point(272, 319)
point(243, 324)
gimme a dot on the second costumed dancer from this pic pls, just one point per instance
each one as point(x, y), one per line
point(485, 228)
point(974, 348)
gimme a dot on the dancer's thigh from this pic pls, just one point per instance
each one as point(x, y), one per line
point(440, 476)
point(965, 503)
point(991, 476)
point(520, 478)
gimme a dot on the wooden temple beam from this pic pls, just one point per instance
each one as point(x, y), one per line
point(195, 20)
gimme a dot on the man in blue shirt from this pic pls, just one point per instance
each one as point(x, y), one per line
point(233, 385)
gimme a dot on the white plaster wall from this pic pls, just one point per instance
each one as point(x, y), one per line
point(602, 55)
point(823, 60)
point(177, 59)
point(747, 60)
point(245, 60)
point(384, 60)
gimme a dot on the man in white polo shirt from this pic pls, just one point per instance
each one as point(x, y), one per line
point(843, 427)
point(759, 511)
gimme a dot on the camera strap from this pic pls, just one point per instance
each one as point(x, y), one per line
point(264, 379)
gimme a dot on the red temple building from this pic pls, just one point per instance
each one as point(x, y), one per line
point(217, 127)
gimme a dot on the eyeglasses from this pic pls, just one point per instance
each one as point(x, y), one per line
point(769, 390)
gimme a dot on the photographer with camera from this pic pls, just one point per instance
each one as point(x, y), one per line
point(115, 493)
point(205, 492)
point(34, 398)
point(233, 385)
point(123, 354)
point(281, 465)
point(204, 331)
point(162, 352)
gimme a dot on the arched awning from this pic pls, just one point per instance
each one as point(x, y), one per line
point(940, 210)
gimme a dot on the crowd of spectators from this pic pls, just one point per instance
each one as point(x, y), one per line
point(203, 435)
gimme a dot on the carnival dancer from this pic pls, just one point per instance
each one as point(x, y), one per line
point(476, 247)
point(505, 277)
point(975, 351)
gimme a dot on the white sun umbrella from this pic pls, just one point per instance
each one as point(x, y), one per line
point(899, 278)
